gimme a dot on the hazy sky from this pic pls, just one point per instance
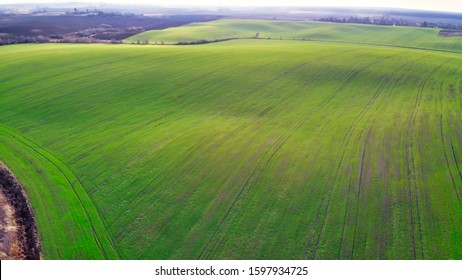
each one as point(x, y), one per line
point(444, 5)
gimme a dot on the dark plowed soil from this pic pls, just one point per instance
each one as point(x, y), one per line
point(448, 32)
point(28, 25)
point(18, 232)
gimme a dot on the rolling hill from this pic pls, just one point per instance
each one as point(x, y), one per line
point(245, 149)
point(402, 36)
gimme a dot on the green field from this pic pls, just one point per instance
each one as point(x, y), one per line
point(245, 149)
point(411, 37)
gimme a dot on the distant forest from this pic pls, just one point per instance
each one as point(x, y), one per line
point(93, 25)
point(392, 21)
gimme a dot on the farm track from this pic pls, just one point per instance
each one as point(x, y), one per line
point(350, 133)
point(452, 154)
point(411, 165)
point(278, 144)
point(455, 160)
point(281, 141)
point(339, 255)
point(189, 166)
point(71, 181)
point(360, 180)
point(194, 148)
point(447, 159)
point(346, 140)
point(403, 70)
point(257, 117)
point(361, 170)
point(452, 143)
point(227, 137)
point(340, 155)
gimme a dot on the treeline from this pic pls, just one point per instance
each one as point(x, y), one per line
point(103, 33)
point(198, 42)
point(23, 40)
point(99, 13)
point(205, 41)
point(53, 39)
point(391, 21)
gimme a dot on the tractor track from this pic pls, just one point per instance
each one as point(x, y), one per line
point(340, 154)
point(282, 140)
point(278, 144)
point(361, 169)
point(447, 159)
point(259, 115)
point(268, 109)
point(347, 136)
point(404, 69)
point(71, 183)
point(191, 165)
point(453, 155)
point(411, 164)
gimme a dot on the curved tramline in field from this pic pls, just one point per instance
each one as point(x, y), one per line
point(367, 116)
point(278, 144)
point(83, 235)
point(244, 149)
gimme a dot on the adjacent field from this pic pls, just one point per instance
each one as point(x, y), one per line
point(426, 38)
point(243, 149)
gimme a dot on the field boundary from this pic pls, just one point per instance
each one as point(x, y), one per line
point(205, 42)
point(85, 201)
point(16, 196)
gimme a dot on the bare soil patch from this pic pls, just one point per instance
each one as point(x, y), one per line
point(18, 232)
point(448, 32)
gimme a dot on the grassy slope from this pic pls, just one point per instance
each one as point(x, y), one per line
point(243, 149)
point(358, 33)
point(67, 219)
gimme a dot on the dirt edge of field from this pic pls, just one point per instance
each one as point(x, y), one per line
point(18, 231)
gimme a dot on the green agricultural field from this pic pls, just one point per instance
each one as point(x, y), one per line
point(245, 149)
point(411, 37)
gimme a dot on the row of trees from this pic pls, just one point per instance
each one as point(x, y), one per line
point(96, 12)
point(43, 39)
point(23, 40)
point(101, 34)
point(198, 42)
point(391, 21)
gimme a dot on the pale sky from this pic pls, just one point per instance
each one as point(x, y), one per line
point(441, 5)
